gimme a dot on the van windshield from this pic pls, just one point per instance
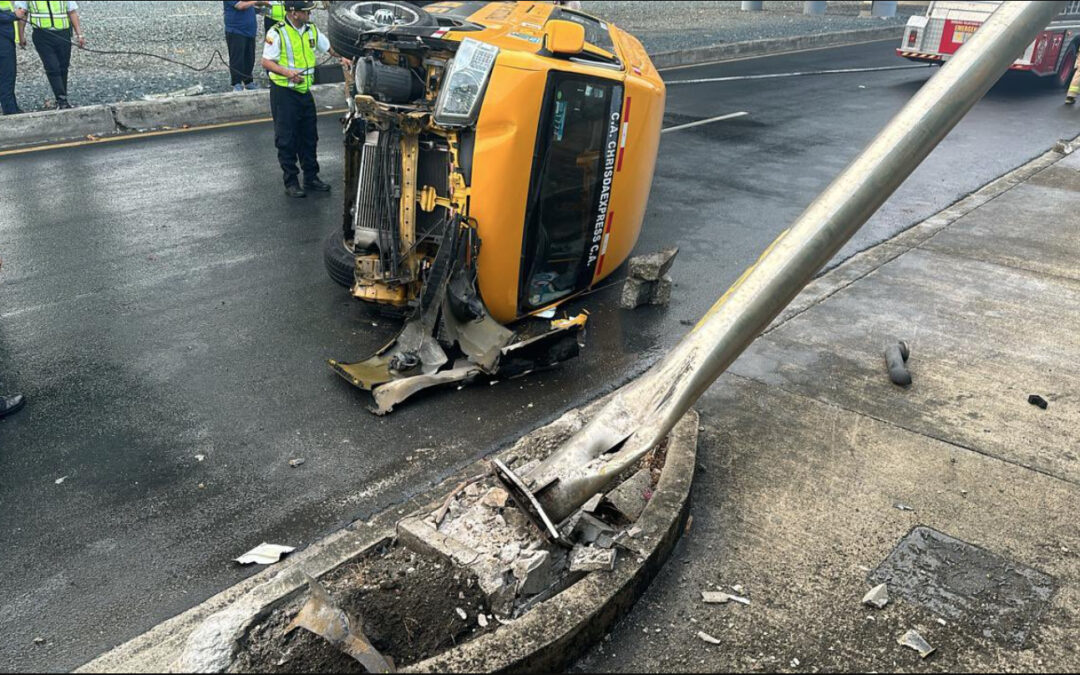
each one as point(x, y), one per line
point(570, 187)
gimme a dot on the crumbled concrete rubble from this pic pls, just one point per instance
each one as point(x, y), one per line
point(648, 281)
point(481, 529)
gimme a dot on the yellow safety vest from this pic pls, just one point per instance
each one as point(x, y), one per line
point(277, 10)
point(51, 15)
point(10, 7)
point(297, 53)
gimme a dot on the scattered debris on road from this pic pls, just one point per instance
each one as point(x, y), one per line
point(482, 620)
point(913, 640)
point(1037, 400)
point(199, 458)
point(648, 281)
point(721, 598)
point(461, 613)
point(265, 554)
point(707, 638)
point(592, 559)
point(900, 506)
point(896, 356)
point(296, 462)
point(60, 480)
point(878, 596)
point(39, 640)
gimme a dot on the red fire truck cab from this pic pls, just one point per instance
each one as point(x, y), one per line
point(935, 37)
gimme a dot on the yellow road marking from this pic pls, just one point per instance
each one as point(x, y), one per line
point(148, 134)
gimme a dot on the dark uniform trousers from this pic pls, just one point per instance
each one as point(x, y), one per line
point(7, 69)
point(296, 132)
point(54, 48)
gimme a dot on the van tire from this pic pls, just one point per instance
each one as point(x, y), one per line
point(345, 29)
point(340, 261)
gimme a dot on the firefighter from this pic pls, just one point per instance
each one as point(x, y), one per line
point(1074, 88)
point(289, 56)
point(10, 17)
point(55, 23)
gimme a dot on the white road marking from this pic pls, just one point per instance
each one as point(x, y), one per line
point(769, 76)
point(708, 121)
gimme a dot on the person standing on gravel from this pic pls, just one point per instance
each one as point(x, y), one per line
point(9, 36)
point(240, 29)
point(53, 23)
point(289, 56)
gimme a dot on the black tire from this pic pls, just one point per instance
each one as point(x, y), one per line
point(340, 261)
point(1065, 71)
point(345, 27)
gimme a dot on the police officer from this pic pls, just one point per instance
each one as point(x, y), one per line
point(273, 12)
point(9, 35)
point(53, 23)
point(289, 55)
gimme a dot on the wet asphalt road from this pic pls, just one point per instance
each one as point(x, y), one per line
point(161, 300)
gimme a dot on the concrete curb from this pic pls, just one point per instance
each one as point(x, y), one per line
point(101, 121)
point(768, 46)
point(541, 640)
point(117, 119)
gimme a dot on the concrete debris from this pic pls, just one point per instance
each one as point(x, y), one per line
point(715, 597)
point(737, 588)
point(591, 505)
point(630, 497)
point(635, 293)
point(591, 559)
point(902, 507)
point(461, 613)
point(209, 648)
point(654, 266)
point(296, 462)
point(661, 291)
point(39, 640)
point(913, 640)
point(199, 458)
point(1037, 400)
point(534, 573)
point(794, 663)
point(587, 528)
point(495, 498)
point(941, 621)
point(193, 90)
point(265, 554)
point(482, 620)
point(878, 596)
point(60, 480)
point(707, 638)
point(509, 552)
point(605, 540)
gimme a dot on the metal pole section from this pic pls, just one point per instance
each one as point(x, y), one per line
point(641, 414)
point(813, 7)
point(750, 6)
point(883, 8)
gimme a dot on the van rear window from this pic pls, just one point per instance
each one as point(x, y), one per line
point(569, 193)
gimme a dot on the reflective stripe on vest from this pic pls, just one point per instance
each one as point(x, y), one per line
point(10, 7)
point(297, 53)
point(51, 15)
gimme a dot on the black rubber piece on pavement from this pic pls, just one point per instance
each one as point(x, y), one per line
point(1035, 399)
point(896, 362)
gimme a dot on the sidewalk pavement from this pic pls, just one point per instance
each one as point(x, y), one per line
point(813, 466)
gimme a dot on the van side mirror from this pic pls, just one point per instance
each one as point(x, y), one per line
point(564, 38)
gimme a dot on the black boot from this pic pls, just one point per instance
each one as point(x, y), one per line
point(11, 404)
point(295, 191)
point(316, 185)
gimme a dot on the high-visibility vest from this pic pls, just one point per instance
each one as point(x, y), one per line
point(10, 7)
point(297, 53)
point(277, 10)
point(49, 15)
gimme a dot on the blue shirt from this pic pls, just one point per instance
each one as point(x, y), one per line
point(240, 21)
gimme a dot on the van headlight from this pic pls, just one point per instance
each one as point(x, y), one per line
point(468, 73)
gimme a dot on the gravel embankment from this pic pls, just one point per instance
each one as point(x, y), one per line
point(191, 31)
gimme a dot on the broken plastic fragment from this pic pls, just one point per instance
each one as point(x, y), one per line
point(913, 640)
point(707, 638)
point(265, 554)
point(878, 596)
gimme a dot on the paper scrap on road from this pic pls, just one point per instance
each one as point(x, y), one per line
point(708, 638)
point(60, 480)
point(265, 554)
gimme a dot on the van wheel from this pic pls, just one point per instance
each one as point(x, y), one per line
point(1065, 71)
point(340, 260)
point(350, 21)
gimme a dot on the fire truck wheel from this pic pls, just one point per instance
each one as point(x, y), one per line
point(340, 261)
point(350, 21)
point(1068, 65)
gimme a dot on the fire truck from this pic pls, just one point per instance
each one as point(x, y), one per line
point(935, 37)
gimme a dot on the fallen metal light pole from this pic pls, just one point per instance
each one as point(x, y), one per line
point(641, 414)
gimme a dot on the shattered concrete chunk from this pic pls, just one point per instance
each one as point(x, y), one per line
point(913, 640)
point(591, 559)
point(660, 294)
point(509, 552)
point(210, 647)
point(482, 620)
point(715, 597)
point(495, 498)
point(594, 501)
point(533, 572)
point(707, 638)
point(653, 266)
point(587, 528)
point(629, 498)
point(461, 613)
point(635, 293)
point(878, 596)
